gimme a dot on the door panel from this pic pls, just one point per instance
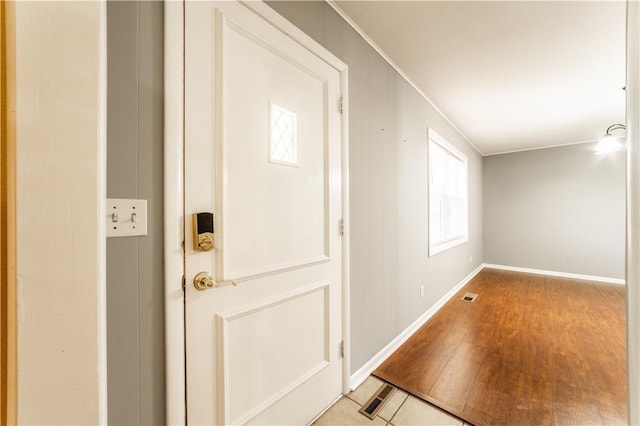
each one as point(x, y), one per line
point(310, 332)
point(262, 152)
point(288, 191)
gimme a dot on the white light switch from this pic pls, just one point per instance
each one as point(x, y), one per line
point(126, 218)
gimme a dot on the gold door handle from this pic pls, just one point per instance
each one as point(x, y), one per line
point(204, 281)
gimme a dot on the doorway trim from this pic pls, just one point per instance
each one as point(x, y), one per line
point(8, 306)
point(633, 210)
point(174, 214)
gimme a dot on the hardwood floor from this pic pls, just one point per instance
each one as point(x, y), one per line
point(530, 349)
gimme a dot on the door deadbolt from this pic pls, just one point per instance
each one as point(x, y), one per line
point(204, 281)
point(203, 231)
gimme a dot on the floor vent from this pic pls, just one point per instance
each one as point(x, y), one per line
point(377, 401)
point(469, 297)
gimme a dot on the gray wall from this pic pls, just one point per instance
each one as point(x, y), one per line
point(135, 304)
point(388, 142)
point(558, 209)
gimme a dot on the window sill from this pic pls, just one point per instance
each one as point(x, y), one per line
point(446, 245)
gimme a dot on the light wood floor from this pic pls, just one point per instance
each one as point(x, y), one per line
point(531, 349)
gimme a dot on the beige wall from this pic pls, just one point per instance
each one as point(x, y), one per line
point(60, 190)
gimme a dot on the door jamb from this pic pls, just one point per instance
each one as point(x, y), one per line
point(632, 251)
point(8, 304)
point(175, 374)
point(174, 214)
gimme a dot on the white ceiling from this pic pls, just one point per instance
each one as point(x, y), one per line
point(509, 75)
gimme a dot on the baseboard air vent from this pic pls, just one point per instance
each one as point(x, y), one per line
point(469, 297)
point(371, 408)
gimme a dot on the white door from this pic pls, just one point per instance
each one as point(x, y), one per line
point(263, 153)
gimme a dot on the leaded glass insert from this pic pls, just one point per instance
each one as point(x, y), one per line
point(283, 135)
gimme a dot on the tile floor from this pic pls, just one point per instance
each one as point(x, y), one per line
point(402, 409)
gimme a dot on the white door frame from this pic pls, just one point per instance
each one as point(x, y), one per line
point(633, 210)
point(175, 378)
point(174, 214)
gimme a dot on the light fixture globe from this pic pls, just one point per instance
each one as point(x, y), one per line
point(607, 144)
point(610, 143)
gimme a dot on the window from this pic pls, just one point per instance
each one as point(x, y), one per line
point(448, 195)
point(283, 139)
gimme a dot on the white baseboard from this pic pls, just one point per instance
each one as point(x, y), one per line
point(365, 371)
point(556, 274)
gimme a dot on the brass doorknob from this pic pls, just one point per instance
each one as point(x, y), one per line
point(204, 281)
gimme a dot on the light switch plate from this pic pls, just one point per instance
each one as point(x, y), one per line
point(126, 218)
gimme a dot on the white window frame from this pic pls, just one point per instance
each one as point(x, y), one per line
point(440, 245)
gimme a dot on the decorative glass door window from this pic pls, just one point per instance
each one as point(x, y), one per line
point(283, 136)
